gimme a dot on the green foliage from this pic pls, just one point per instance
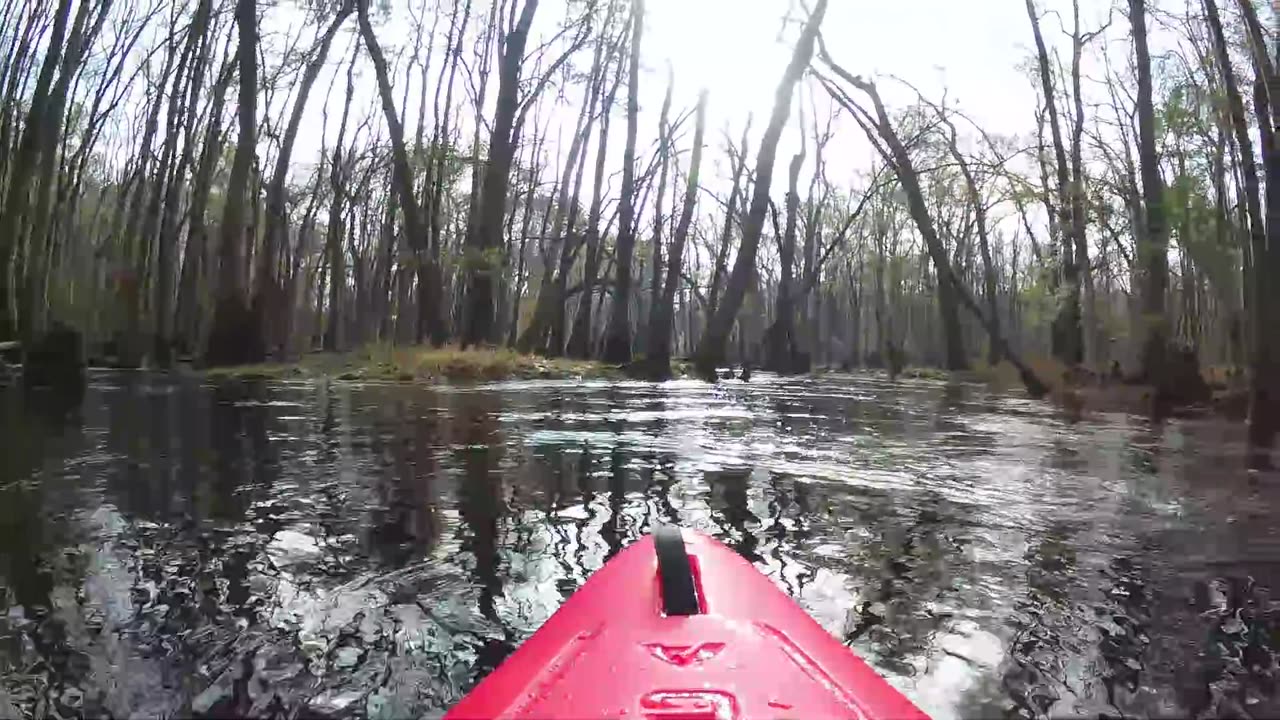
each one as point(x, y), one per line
point(428, 158)
point(1039, 301)
point(1024, 193)
point(75, 119)
point(1198, 234)
point(896, 270)
point(485, 261)
point(1174, 115)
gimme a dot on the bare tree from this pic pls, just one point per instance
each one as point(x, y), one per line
point(738, 157)
point(980, 220)
point(780, 345)
point(35, 137)
point(658, 357)
point(579, 345)
point(1154, 251)
point(617, 342)
point(950, 290)
point(1067, 340)
point(711, 350)
point(234, 337)
point(1264, 406)
point(267, 296)
point(402, 178)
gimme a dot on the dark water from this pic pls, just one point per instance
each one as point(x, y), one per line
point(352, 551)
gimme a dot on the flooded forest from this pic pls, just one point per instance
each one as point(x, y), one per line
point(982, 377)
point(492, 185)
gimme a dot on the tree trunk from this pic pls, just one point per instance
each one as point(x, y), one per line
point(429, 281)
point(78, 42)
point(298, 283)
point(268, 303)
point(18, 69)
point(23, 169)
point(994, 354)
point(164, 210)
point(526, 223)
point(1154, 251)
point(1253, 219)
point(234, 339)
point(1085, 335)
point(333, 335)
point(430, 321)
point(730, 214)
point(780, 337)
point(485, 237)
point(950, 289)
point(192, 276)
point(1066, 326)
point(664, 165)
point(555, 343)
point(132, 246)
point(711, 351)
point(338, 177)
point(535, 336)
point(171, 222)
point(497, 19)
point(658, 358)
point(889, 355)
point(579, 345)
point(856, 345)
point(580, 337)
point(617, 342)
point(949, 286)
point(1264, 406)
point(386, 262)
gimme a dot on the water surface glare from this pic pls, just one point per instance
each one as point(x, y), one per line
point(337, 550)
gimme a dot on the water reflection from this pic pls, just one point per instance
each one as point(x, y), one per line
point(168, 548)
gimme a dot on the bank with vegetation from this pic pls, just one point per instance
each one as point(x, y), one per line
point(420, 364)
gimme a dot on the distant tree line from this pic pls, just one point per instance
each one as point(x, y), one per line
point(152, 195)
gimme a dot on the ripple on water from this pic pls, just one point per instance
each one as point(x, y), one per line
point(373, 550)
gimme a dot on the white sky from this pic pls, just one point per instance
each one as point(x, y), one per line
point(734, 49)
point(737, 50)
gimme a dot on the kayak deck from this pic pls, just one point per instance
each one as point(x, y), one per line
point(749, 651)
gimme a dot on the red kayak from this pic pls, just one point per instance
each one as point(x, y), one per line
point(679, 627)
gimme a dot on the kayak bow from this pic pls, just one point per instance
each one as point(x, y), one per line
point(679, 627)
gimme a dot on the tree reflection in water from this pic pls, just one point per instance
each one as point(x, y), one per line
point(339, 550)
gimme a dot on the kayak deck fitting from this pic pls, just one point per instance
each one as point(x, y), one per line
point(679, 627)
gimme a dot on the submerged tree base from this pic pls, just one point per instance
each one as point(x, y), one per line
point(422, 364)
point(1219, 391)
